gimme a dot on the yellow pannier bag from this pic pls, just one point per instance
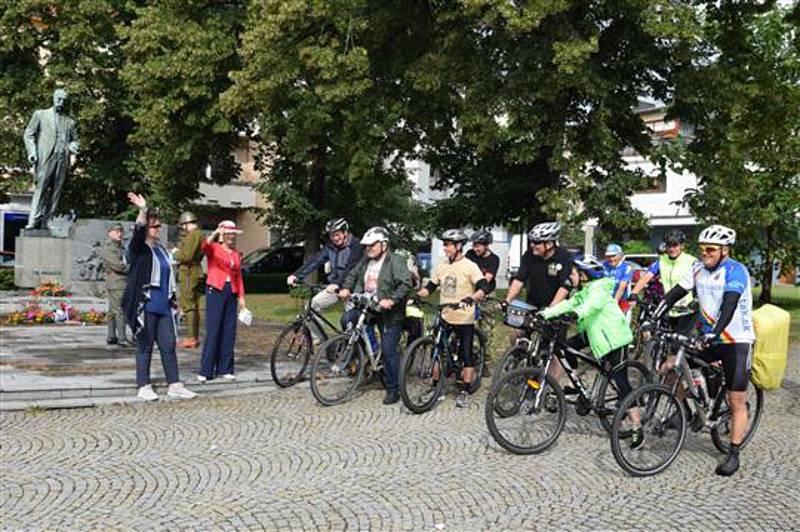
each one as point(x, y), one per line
point(772, 347)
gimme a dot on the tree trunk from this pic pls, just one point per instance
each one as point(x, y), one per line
point(312, 230)
point(766, 273)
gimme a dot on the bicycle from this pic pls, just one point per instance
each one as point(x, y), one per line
point(295, 344)
point(529, 403)
point(664, 414)
point(436, 353)
point(525, 350)
point(341, 361)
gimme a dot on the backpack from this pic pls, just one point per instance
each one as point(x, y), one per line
point(772, 347)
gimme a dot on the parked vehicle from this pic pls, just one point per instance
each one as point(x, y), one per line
point(266, 269)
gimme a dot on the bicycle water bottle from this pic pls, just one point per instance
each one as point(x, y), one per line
point(700, 382)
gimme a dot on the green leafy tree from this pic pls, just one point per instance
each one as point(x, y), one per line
point(745, 102)
point(536, 106)
point(322, 84)
point(74, 45)
point(178, 56)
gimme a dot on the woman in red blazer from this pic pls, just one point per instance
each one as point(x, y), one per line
point(224, 296)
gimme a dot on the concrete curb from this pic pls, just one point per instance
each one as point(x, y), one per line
point(46, 400)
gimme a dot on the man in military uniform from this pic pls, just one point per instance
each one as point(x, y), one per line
point(116, 266)
point(189, 255)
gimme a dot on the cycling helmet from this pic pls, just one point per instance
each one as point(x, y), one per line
point(375, 234)
point(662, 248)
point(612, 250)
point(717, 234)
point(545, 232)
point(674, 236)
point(337, 224)
point(482, 237)
point(454, 235)
point(590, 266)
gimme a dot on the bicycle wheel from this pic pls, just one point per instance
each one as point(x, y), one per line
point(513, 358)
point(291, 354)
point(720, 433)
point(337, 370)
point(532, 426)
point(418, 389)
point(478, 359)
point(608, 394)
point(663, 424)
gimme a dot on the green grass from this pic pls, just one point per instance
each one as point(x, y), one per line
point(281, 308)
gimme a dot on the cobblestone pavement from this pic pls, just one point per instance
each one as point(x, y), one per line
point(277, 460)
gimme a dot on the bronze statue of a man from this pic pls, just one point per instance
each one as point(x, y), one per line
point(49, 139)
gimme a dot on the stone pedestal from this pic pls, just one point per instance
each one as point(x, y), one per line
point(73, 260)
point(40, 259)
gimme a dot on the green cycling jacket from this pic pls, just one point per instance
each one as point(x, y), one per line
point(599, 316)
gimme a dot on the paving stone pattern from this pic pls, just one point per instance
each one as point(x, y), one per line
point(277, 460)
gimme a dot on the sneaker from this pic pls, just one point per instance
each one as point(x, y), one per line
point(637, 439)
point(570, 394)
point(179, 391)
point(111, 341)
point(427, 396)
point(202, 378)
point(229, 377)
point(391, 398)
point(729, 466)
point(463, 399)
point(146, 392)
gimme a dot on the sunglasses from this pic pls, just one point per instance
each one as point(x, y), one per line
point(155, 226)
point(537, 242)
point(709, 249)
point(673, 245)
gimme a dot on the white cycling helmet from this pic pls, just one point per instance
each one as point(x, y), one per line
point(717, 234)
point(545, 232)
point(375, 234)
point(453, 235)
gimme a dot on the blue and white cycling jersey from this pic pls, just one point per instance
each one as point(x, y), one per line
point(710, 285)
point(622, 272)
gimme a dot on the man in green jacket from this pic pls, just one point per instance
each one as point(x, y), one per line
point(385, 275)
point(116, 266)
point(189, 255)
point(602, 326)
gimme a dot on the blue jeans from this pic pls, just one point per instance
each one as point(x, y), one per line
point(160, 329)
point(390, 340)
point(221, 315)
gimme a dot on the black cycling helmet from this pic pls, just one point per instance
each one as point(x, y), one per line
point(337, 224)
point(674, 236)
point(482, 237)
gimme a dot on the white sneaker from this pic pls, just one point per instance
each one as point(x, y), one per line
point(229, 377)
point(146, 392)
point(201, 378)
point(179, 391)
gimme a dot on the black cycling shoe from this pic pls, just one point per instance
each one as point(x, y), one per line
point(637, 439)
point(729, 466)
point(111, 341)
point(570, 394)
point(391, 398)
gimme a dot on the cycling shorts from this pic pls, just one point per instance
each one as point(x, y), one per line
point(736, 363)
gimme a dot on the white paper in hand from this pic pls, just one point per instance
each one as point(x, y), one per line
point(245, 316)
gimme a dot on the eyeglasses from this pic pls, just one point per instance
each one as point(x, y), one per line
point(673, 244)
point(155, 226)
point(709, 249)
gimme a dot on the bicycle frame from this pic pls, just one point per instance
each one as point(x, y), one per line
point(359, 334)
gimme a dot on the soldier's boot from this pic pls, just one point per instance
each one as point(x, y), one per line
point(193, 339)
point(111, 337)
